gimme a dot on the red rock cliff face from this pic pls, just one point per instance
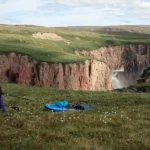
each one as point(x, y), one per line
point(90, 75)
point(133, 58)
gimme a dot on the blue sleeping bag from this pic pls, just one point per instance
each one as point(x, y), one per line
point(54, 107)
point(62, 106)
point(62, 103)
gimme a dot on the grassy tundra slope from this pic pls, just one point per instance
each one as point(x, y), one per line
point(19, 39)
point(117, 121)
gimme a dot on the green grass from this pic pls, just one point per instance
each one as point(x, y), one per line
point(141, 85)
point(144, 86)
point(117, 121)
point(19, 39)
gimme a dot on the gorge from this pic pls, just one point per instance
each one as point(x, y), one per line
point(132, 58)
point(94, 74)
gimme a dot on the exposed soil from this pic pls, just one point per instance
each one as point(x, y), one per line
point(47, 36)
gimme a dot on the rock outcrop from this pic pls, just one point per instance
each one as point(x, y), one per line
point(145, 76)
point(93, 74)
point(90, 75)
point(146, 73)
point(133, 58)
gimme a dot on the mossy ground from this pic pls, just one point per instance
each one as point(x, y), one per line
point(117, 121)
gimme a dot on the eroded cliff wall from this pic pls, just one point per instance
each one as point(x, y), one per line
point(90, 75)
point(133, 58)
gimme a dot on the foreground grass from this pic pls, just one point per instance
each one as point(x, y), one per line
point(19, 39)
point(116, 121)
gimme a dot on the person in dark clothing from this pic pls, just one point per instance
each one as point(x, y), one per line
point(2, 106)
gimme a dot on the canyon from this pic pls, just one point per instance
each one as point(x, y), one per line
point(95, 74)
point(90, 75)
point(133, 59)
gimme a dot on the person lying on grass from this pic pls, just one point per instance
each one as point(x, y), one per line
point(2, 106)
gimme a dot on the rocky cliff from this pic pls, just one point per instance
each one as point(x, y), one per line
point(133, 58)
point(145, 76)
point(90, 75)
